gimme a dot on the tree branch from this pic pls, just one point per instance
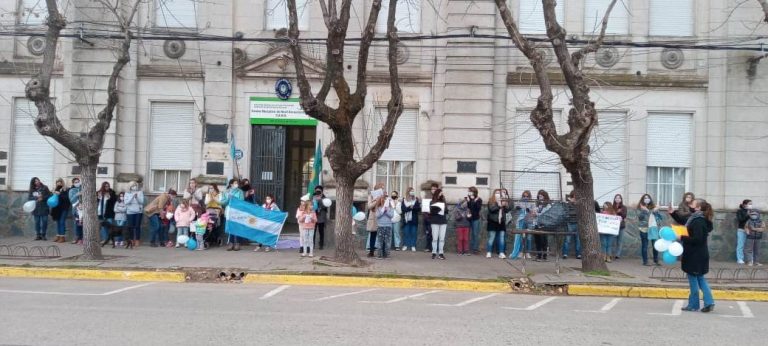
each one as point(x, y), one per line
point(593, 46)
point(764, 5)
point(358, 99)
point(326, 14)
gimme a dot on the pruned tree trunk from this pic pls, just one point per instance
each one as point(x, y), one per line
point(591, 256)
point(91, 246)
point(344, 227)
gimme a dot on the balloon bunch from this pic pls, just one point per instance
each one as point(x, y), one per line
point(668, 245)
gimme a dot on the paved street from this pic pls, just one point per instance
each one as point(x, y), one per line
point(59, 312)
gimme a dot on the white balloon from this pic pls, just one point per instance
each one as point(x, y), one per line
point(327, 202)
point(675, 249)
point(360, 216)
point(182, 239)
point(661, 245)
point(29, 206)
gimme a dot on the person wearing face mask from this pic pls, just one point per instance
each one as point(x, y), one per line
point(572, 226)
point(427, 225)
point(322, 215)
point(234, 192)
point(695, 258)
point(498, 207)
point(755, 228)
point(371, 226)
point(269, 204)
point(134, 203)
point(121, 217)
point(742, 216)
point(40, 193)
point(60, 212)
point(648, 219)
point(74, 198)
point(621, 210)
point(410, 206)
point(105, 207)
point(526, 208)
point(543, 203)
point(474, 205)
point(439, 222)
point(394, 201)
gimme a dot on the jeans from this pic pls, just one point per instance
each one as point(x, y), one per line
point(61, 224)
point(155, 227)
point(396, 234)
point(371, 242)
point(438, 238)
point(41, 225)
point(492, 236)
point(163, 234)
point(134, 223)
point(104, 231)
point(605, 242)
point(752, 251)
point(410, 234)
point(462, 239)
point(572, 227)
point(180, 232)
point(385, 238)
point(617, 241)
point(741, 239)
point(698, 282)
point(644, 248)
point(120, 223)
point(474, 236)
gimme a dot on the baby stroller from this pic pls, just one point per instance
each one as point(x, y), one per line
point(213, 230)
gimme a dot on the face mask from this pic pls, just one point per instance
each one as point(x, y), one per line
point(471, 194)
point(541, 198)
point(134, 188)
point(647, 201)
point(77, 184)
point(749, 206)
point(753, 216)
point(234, 186)
point(412, 193)
point(394, 196)
point(688, 199)
point(122, 198)
point(269, 201)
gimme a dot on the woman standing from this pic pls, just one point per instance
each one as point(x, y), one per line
point(474, 204)
point(742, 216)
point(461, 222)
point(394, 199)
point(39, 193)
point(695, 261)
point(195, 196)
point(105, 207)
point(543, 203)
point(411, 208)
point(213, 210)
point(755, 228)
point(61, 211)
point(621, 210)
point(572, 226)
point(649, 219)
point(607, 239)
point(74, 200)
point(371, 225)
point(134, 204)
point(121, 216)
point(322, 215)
point(437, 211)
point(307, 218)
point(498, 207)
point(234, 192)
point(683, 209)
point(384, 214)
point(525, 210)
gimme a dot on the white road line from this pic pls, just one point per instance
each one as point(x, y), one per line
point(677, 309)
point(746, 312)
point(77, 294)
point(605, 308)
point(534, 306)
point(126, 289)
point(346, 294)
point(470, 301)
point(396, 300)
point(274, 292)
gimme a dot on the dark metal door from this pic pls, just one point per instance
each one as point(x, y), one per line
point(268, 162)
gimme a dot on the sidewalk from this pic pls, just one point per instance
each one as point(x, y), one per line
point(404, 269)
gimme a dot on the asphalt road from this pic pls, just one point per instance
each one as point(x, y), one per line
point(62, 312)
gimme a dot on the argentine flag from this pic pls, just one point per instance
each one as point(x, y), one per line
point(253, 222)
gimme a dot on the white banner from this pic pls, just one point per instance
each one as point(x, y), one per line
point(608, 224)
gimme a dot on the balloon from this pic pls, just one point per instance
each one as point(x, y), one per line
point(191, 244)
point(661, 245)
point(327, 202)
point(675, 249)
point(360, 216)
point(29, 206)
point(669, 258)
point(667, 234)
point(182, 239)
point(53, 201)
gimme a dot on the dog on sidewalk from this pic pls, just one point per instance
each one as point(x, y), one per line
point(116, 231)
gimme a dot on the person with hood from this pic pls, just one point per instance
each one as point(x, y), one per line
point(39, 193)
point(695, 259)
point(74, 199)
point(154, 209)
point(322, 215)
point(134, 203)
point(742, 216)
point(60, 212)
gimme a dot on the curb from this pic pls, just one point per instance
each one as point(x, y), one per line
point(377, 282)
point(92, 274)
point(666, 293)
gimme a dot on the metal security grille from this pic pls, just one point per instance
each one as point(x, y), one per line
point(268, 161)
point(518, 181)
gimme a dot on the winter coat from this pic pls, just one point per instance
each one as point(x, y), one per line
point(64, 204)
point(306, 220)
point(195, 197)
point(414, 211)
point(134, 201)
point(497, 217)
point(158, 204)
point(212, 200)
point(742, 216)
point(184, 216)
point(320, 209)
point(474, 205)
point(695, 259)
point(643, 217)
point(121, 211)
point(572, 216)
point(105, 204)
point(74, 195)
point(371, 225)
point(40, 195)
point(622, 211)
point(435, 218)
point(460, 214)
point(384, 215)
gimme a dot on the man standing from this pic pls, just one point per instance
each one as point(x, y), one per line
point(322, 214)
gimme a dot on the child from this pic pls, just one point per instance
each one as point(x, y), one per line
point(307, 219)
point(184, 216)
point(755, 228)
point(165, 218)
point(121, 216)
point(461, 216)
point(200, 227)
point(607, 239)
point(269, 204)
point(79, 215)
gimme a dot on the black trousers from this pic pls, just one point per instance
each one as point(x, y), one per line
point(320, 230)
point(541, 244)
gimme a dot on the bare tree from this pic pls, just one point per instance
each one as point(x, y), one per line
point(764, 6)
point(86, 149)
point(573, 146)
point(341, 151)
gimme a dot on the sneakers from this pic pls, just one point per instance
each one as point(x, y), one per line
point(565, 256)
point(502, 256)
point(750, 264)
point(758, 264)
point(689, 309)
point(169, 244)
point(413, 249)
point(708, 308)
point(311, 255)
point(303, 255)
point(434, 256)
point(441, 256)
point(487, 255)
point(268, 249)
point(578, 256)
point(178, 246)
point(257, 249)
point(740, 262)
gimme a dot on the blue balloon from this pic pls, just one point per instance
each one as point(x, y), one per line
point(667, 234)
point(191, 244)
point(668, 258)
point(53, 201)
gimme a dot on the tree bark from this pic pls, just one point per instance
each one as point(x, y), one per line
point(344, 230)
point(91, 226)
point(591, 256)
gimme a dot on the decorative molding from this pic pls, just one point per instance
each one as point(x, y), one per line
point(527, 78)
point(170, 71)
point(607, 56)
point(174, 49)
point(672, 58)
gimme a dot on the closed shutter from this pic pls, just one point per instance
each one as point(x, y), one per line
point(404, 141)
point(32, 154)
point(277, 14)
point(407, 17)
point(608, 157)
point(618, 21)
point(671, 18)
point(530, 152)
point(531, 19)
point(176, 13)
point(171, 129)
point(33, 12)
point(669, 140)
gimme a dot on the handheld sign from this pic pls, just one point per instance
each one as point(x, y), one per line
point(608, 224)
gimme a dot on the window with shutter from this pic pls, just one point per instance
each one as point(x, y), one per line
point(276, 14)
point(531, 20)
point(618, 21)
point(402, 146)
point(407, 17)
point(671, 18)
point(171, 128)
point(608, 158)
point(32, 12)
point(667, 174)
point(32, 155)
point(176, 13)
point(530, 155)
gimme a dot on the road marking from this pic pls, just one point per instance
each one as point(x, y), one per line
point(396, 300)
point(127, 289)
point(746, 312)
point(605, 308)
point(346, 294)
point(78, 294)
point(470, 301)
point(274, 292)
point(534, 306)
point(677, 309)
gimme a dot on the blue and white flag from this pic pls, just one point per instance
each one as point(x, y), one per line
point(253, 222)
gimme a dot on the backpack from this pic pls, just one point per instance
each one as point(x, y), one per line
point(555, 218)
